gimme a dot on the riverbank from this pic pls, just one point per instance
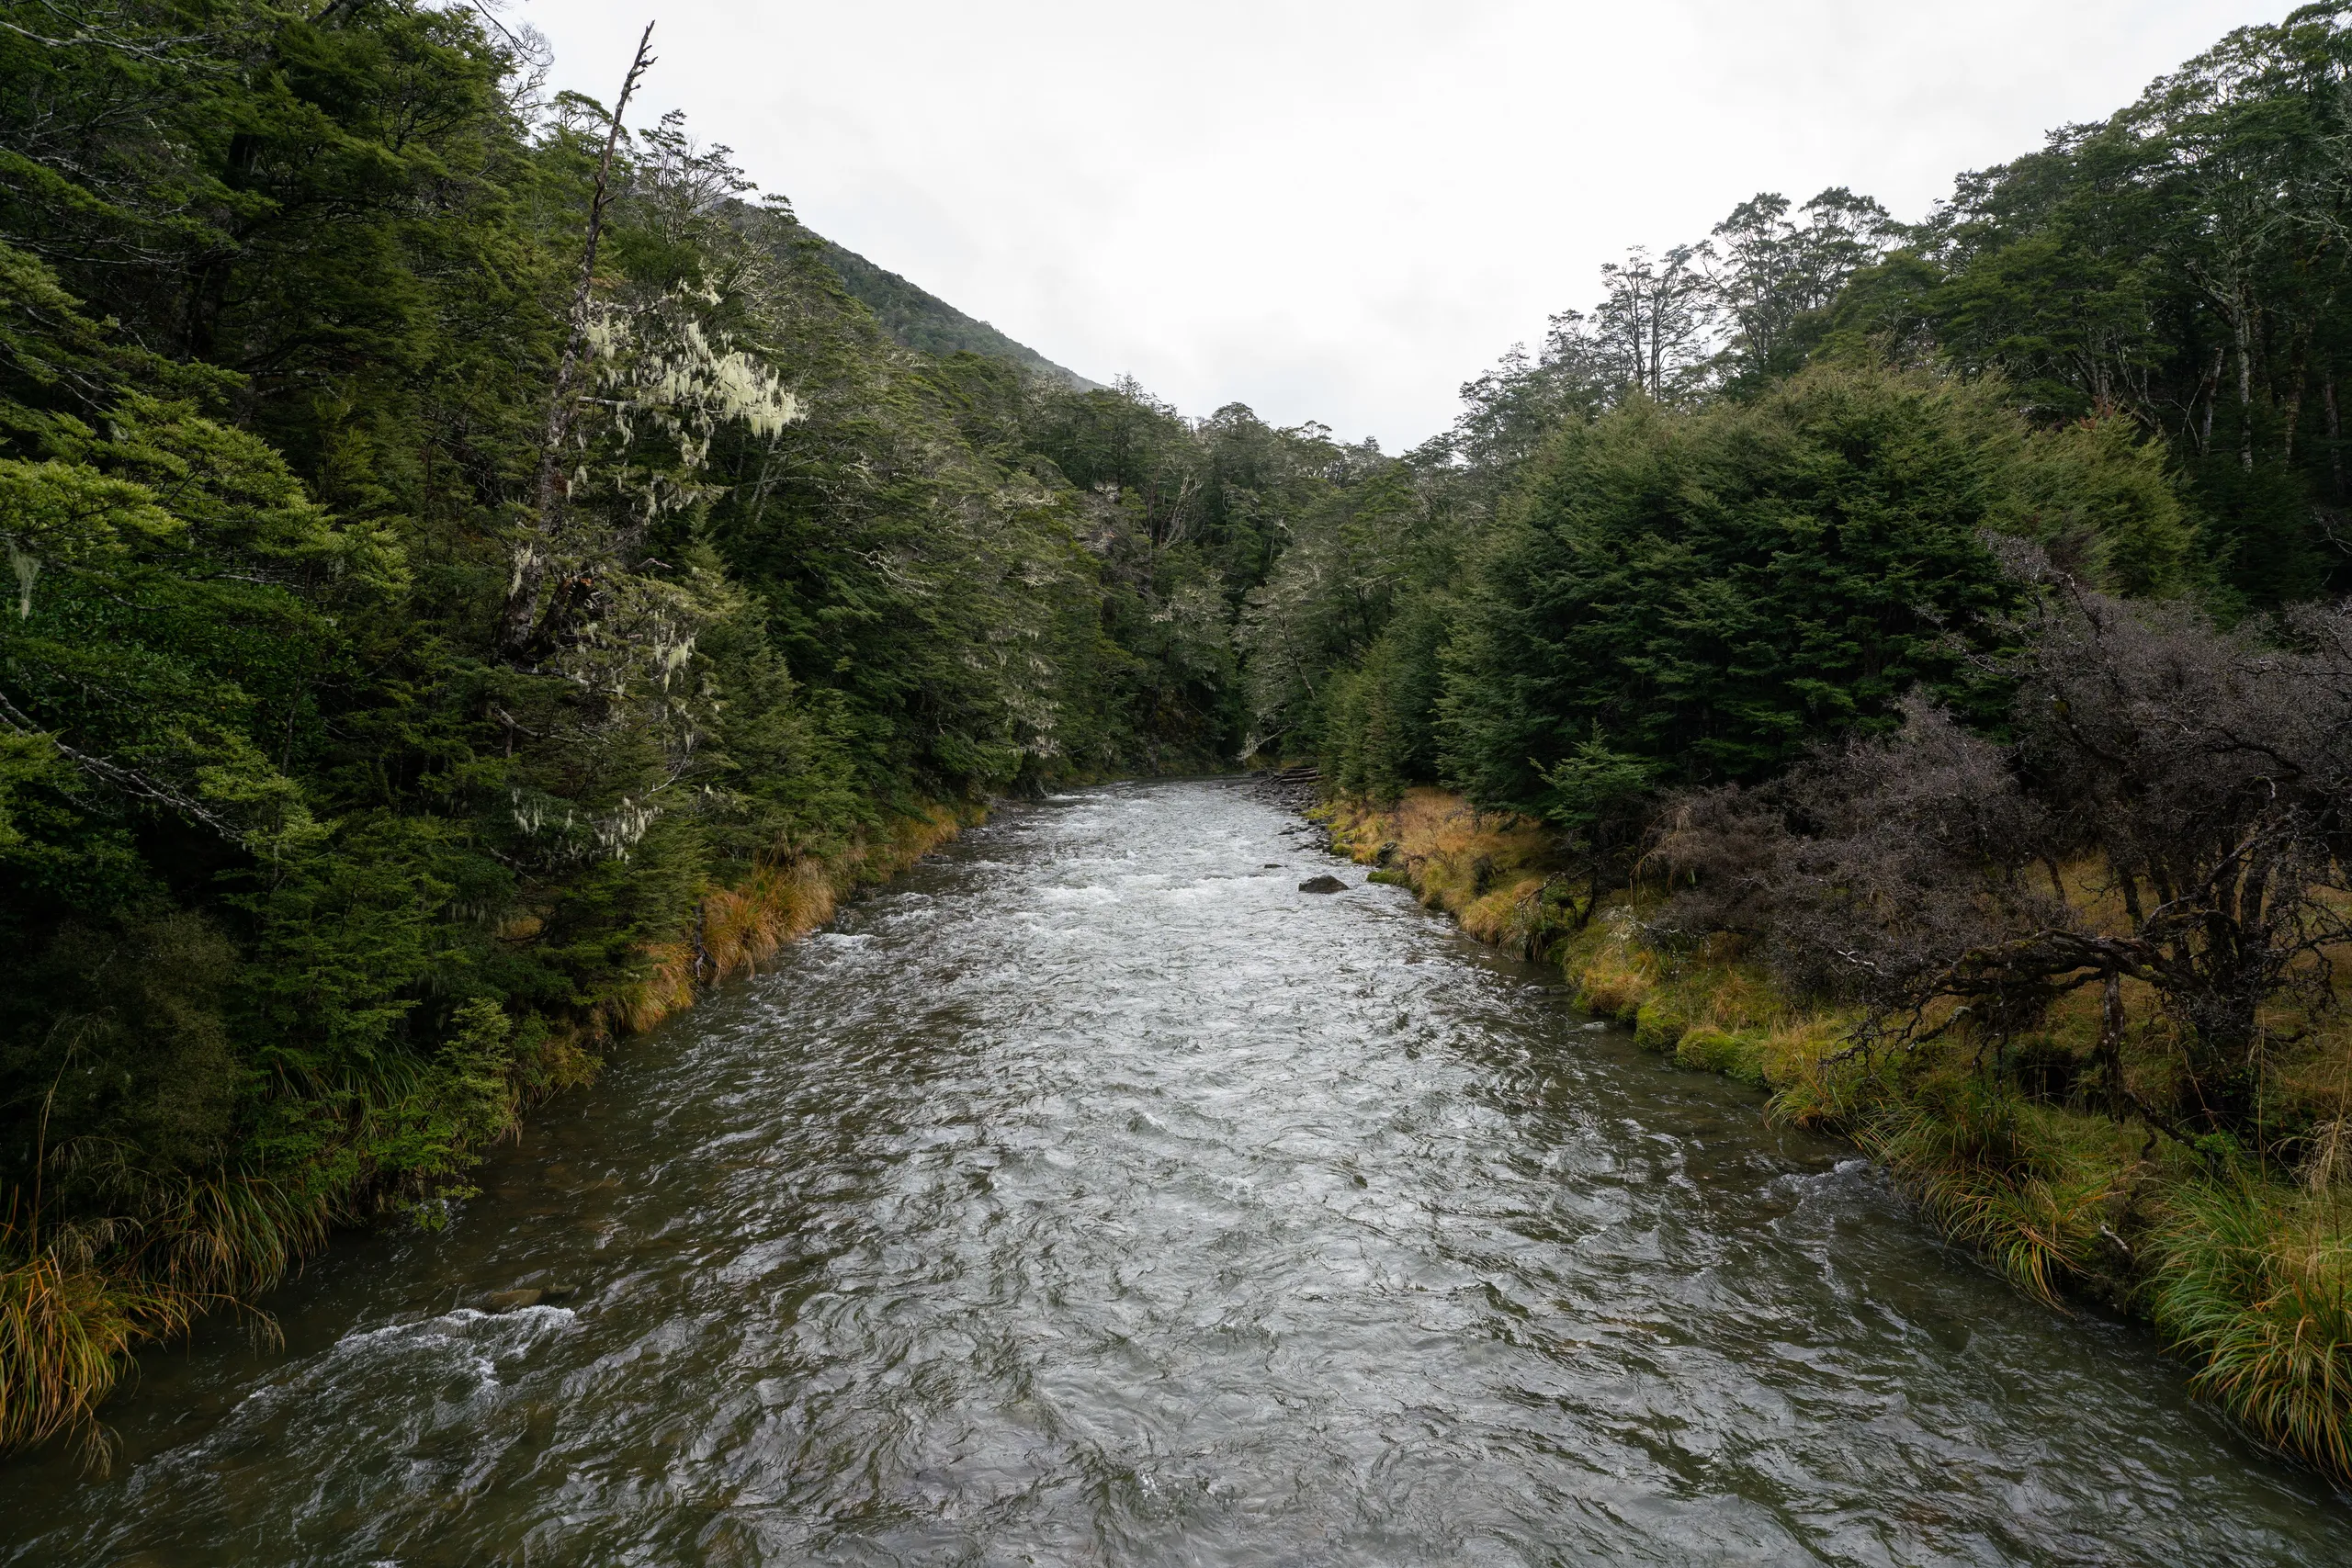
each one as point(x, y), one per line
point(1092, 1193)
point(78, 1301)
point(2246, 1272)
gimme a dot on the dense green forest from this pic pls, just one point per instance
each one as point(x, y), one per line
point(460, 533)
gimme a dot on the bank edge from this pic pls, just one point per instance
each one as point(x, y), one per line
point(2247, 1279)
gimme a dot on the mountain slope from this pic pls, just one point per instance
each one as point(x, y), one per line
point(919, 319)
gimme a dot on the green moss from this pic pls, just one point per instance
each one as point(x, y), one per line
point(1735, 1055)
point(1657, 1027)
point(1608, 1007)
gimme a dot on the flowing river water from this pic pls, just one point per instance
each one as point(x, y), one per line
point(1091, 1195)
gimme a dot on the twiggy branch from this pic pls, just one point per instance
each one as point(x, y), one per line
point(128, 780)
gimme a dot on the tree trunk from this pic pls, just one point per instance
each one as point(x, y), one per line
point(2110, 1045)
point(2299, 374)
point(2335, 436)
point(2238, 326)
point(529, 585)
point(2214, 397)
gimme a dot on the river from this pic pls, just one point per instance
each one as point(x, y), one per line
point(1091, 1195)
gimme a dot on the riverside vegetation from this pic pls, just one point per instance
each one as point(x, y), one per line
point(1906, 669)
point(477, 576)
point(482, 574)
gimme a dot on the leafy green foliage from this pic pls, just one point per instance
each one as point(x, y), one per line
point(2181, 264)
point(1711, 595)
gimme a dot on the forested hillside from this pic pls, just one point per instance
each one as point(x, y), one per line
point(917, 318)
point(482, 571)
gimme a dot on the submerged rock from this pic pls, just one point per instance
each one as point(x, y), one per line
point(513, 1300)
point(1322, 884)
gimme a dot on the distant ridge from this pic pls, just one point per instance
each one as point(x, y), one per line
point(922, 320)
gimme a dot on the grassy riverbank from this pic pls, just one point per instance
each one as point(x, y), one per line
point(2245, 1270)
point(78, 1299)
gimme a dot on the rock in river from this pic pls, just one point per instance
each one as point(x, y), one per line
point(1322, 884)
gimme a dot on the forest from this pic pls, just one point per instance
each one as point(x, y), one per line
point(482, 576)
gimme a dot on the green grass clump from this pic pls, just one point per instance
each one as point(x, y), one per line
point(2256, 1282)
point(77, 1298)
point(65, 1335)
point(1717, 1050)
point(1657, 1027)
point(1991, 1171)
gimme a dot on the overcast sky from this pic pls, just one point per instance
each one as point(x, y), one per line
point(1341, 211)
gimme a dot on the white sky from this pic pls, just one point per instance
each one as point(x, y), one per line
point(1341, 211)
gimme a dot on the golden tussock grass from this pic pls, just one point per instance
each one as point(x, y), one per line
point(75, 1300)
point(740, 927)
point(65, 1336)
point(1486, 870)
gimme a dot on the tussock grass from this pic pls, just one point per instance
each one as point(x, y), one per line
point(65, 1336)
point(743, 927)
point(2256, 1287)
point(224, 1237)
point(2249, 1277)
point(1992, 1172)
point(1487, 869)
point(76, 1299)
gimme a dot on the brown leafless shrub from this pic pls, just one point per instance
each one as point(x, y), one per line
point(2211, 773)
point(1867, 869)
point(2208, 773)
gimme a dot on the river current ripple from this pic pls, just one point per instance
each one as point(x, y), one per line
point(1093, 1196)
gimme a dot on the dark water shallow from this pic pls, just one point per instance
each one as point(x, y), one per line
point(1093, 1196)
